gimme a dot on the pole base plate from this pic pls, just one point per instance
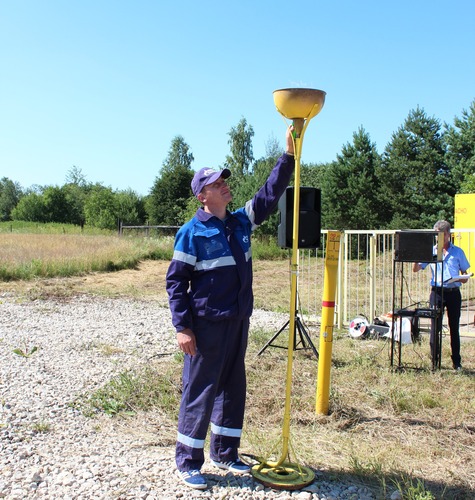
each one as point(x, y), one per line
point(287, 476)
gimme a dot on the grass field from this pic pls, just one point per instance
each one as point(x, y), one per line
point(31, 256)
point(411, 430)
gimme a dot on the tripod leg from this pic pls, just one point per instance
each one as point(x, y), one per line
point(273, 338)
point(303, 333)
point(437, 354)
point(439, 347)
point(300, 329)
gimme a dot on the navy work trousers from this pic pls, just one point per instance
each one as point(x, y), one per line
point(214, 390)
point(452, 302)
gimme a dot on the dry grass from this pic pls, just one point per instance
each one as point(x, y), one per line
point(21, 249)
point(383, 425)
point(26, 256)
point(386, 428)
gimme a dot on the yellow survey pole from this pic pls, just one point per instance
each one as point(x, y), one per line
point(298, 105)
point(328, 314)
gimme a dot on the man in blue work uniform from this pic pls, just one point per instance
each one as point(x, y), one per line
point(209, 284)
point(446, 295)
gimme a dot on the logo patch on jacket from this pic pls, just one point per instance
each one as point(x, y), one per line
point(213, 247)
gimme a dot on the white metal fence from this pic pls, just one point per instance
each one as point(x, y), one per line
point(365, 278)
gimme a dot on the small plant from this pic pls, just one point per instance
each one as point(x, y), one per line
point(41, 427)
point(366, 469)
point(115, 397)
point(26, 352)
point(134, 390)
point(178, 357)
point(414, 490)
point(401, 400)
point(109, 350)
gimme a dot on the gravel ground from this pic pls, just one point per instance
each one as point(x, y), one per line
point(48, 449)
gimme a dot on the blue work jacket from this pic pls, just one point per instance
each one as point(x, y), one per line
point(454, 263)
point(210, 274)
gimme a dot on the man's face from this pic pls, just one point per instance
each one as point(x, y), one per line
point(446, 238)
point(216, 194)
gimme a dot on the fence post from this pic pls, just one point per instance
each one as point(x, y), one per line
point(372, 275)
point(345, 276)
point(340, 289)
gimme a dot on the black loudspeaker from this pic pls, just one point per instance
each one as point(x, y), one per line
point(309, 218)
point(418, 246)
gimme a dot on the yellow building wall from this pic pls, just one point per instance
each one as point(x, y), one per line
point(464, 218)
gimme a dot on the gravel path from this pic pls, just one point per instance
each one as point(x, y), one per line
point(50, 450)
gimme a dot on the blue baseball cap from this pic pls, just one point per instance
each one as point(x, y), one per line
point(207, 176)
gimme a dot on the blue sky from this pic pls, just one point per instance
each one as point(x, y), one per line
point(106, 85)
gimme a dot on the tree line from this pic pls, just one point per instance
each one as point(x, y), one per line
point(409, 185)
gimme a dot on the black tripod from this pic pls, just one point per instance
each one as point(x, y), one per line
point(305, 341)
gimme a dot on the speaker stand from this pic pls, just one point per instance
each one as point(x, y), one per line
point(305, 341)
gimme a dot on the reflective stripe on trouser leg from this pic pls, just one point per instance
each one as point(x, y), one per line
point(214, 389)
point(224, 443)
point(189, 452)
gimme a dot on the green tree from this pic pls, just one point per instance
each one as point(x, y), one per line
point(460, 142)
point(75, 197)
point(52, 204)
point(312, 174)
point(349, 194)
point(273, 148)
point(56, 206)
point(255, 176)
point(10, 194)
point(130, 207)
point(100, 208)
point(252, 180)
point(76, 191)
point(168, 198)
point(241, 159)
point(31, 207)
point(415, 181)
point(468, 185)
point(190, 209)
point(76, 177)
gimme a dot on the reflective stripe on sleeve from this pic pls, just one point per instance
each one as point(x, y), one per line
point(184, 257)
point(250, 214)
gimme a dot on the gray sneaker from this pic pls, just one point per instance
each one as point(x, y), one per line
point(236, 467)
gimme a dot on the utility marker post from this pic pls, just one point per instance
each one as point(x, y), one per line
point(328, 320)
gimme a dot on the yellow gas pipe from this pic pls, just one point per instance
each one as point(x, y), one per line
point(327, 323)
